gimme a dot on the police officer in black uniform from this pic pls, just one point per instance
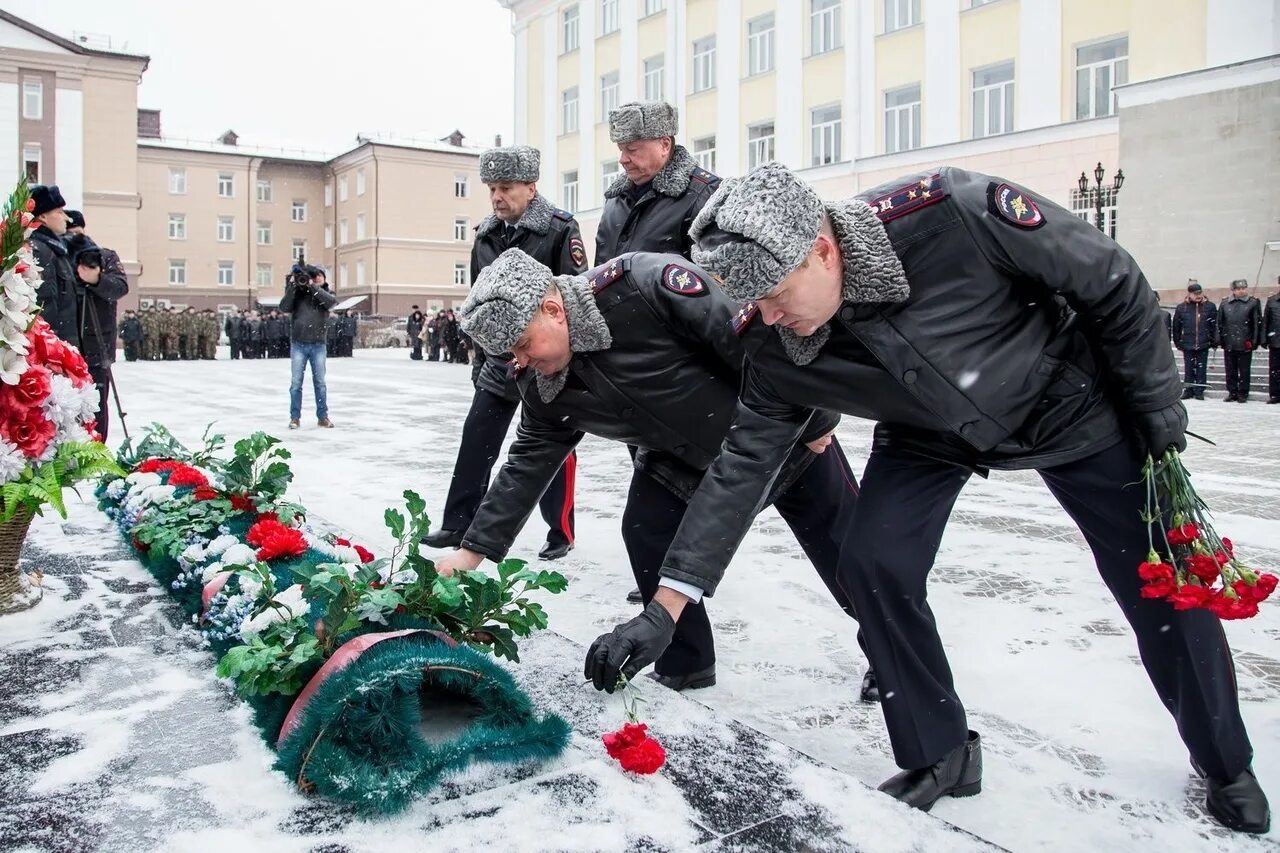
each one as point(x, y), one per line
point(522, 218)
point(651, 204)
point(644, 351)
point(983, 327)
point(56, 294)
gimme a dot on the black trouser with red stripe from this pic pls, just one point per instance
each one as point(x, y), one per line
point(817, 507)
point(890, 548)
point(482, 435)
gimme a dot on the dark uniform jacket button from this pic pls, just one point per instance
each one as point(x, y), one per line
point(909, 377)
point(628, 412)
point(847, 314)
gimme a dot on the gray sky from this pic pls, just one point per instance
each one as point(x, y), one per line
point(308, 73)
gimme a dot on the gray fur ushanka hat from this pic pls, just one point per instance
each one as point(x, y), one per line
point(643, 120)
point(503, 300)
point(756, 229)
point(516, 163)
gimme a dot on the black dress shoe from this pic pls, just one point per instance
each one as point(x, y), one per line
point(1271, 401)
point(554, 550)
point(1188, 394)
point(1230, 398)
point(443, 538)
point(688, 681)
point(957, 774)
point(1238, 804)
point(1243, 399)
point(634, 597)
point(870, 689)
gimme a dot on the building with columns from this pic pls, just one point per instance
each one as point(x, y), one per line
point(855, 92)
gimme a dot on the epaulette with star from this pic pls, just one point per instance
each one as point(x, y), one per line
point(703, 176)
point(743, 318)
point(908, 198)
point(607, 276)
point(562, 214)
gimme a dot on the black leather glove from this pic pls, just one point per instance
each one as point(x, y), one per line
point(630, 647)
point(1163, 428)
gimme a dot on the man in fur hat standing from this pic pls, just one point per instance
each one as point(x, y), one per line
point(522, 219)
point(57, 292)
point(651, 204)
point(982, 326)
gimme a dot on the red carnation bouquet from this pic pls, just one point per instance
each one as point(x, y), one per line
point(1192, 566)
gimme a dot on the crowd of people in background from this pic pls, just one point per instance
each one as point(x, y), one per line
point(1239, 326)
point(443, 339)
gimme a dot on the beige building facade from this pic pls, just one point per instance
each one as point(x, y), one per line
point(852, 93)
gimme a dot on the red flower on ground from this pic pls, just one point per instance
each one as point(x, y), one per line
point(1184, 534)
point(1204, 567)
point(185, 475)
point(27, 429)
point(241, 503)
point(1190, 596)
point(1155, 571)
point(634, 749)
point(268, 516)
point(204, 493)
point(624, 738)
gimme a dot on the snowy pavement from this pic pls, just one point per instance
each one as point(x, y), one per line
point(1079, 754)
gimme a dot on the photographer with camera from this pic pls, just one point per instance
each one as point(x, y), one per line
point(307, 298)
point(100, 282)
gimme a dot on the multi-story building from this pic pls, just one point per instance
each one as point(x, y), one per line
point(855, 92)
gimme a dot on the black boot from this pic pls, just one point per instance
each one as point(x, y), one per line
point(1188, 394)
point(870, 689)
point(957, 774)
point(1238, 804)
point(443, 538)
point(554, 550)
point(634, 597)
point(1271, 401)
point(688, 681)
point(1230, 398)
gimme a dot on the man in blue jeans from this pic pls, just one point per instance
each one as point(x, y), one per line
point(307, 298)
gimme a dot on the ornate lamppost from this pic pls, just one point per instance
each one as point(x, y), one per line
point(1097, 192)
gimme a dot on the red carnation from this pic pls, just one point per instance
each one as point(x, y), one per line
point(1159, 589)
point(1226, 544)
point(204, 493)
point(268, 516)
point(624, 738)
point(1155, 571)
point(282, 542)
point(31, 205)
point(1256, 592)
point(366, 556)
point(261, 529)
point(156, 466)
point(1190, 596)
point(1184, 534)
point(1204, 567)
point(1233, 608)
point(32, 388)
point(27, 429)
point(185, 475)
point(645, 757)
point(1266, 585)
point(21, 268)
point(241, 503)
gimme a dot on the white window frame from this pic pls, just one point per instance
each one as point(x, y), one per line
point(825, 26)
point(328, 194)
point(264, 275)
point(609, 170)
point(1115, 67)
point(704, 152)
point(226, 273)
point(360, 183)
point(610, 20)
point(177, 273)
point(226, 229)
point(760, 35)
point(900, 14)
point(360, 233)
point(264, 231)
point(342, 188)
point(653, 7)
point(460, 226)
point(569, 190)
point(569, 110)
point(33, 99)
point(33, 153)
point(1082, 207)
point(826, 131)
point(342, 275)
point(264, 189)
point(298, 210)
point(992, 99)
point(704, 64)
point(328, 235)
point(177, 226)
point(177, 181)
point(460, 187)
point(360, 278)
point(460, 272)
point(570, 36)
point(655, 77)
point(761, 145)
point(344, 234)
point(226, 185)
point(298, 248)
point(897, 115)
point(610, 88)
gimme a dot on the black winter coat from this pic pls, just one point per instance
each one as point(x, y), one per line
point(131, 330)
point(1024, 340)
point(97, 308)
point(1239, 324)
point(57, 292)
point(413, 326)
point(310, 309)
point(545, 233)
point(656, 218)
point(667, 385)
point(1271, 323)
point(1195, 325)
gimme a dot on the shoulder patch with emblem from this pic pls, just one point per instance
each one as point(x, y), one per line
point(683, 281)
point(1014, 206)
point(562, 214)
point(743, 318)
point(577, 252)
point(607, 275)
point(908, 198)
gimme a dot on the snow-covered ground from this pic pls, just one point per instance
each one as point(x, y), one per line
point(1079, 754)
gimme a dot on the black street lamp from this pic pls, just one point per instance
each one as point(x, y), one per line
point(1098, 192)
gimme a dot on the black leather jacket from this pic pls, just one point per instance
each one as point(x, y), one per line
point(667, 385)
point(656, 218)
point(57, 292)
point(548, 235)
point(1271, 323)
point(1019, 346)
point(1239, 324)
point(98, 301)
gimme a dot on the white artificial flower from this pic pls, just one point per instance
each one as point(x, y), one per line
point(211, 571)
point(286, 605)
point(239, 554)
point(12, 462)
point(12, 365)
point(142, 479)
point(116, 488)
point(157, 494)
point(220, 544)
point(346, 554)
point(67, 405)
point(194, 553)
point(250, 586)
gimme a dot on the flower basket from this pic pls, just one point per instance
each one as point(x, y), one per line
point(17, 591)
